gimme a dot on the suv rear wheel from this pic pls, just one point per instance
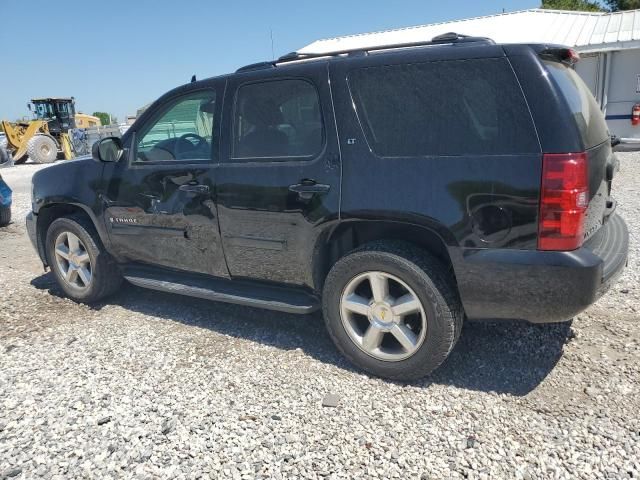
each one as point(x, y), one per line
point(81, 265)
point(392, 310)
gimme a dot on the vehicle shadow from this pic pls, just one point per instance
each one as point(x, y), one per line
point(502, 357)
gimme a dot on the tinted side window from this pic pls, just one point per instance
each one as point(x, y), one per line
point(584, 108)
point(278, 118)
point(457, 107)
point(183, 132)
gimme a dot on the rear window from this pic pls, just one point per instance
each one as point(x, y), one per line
point(585, 110)
point(457, 107)
point(278, 118)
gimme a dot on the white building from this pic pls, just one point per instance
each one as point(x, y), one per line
point(609, 44)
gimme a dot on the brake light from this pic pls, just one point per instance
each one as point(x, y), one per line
point(571, 56)
point(635, 114)
point(564, 198)
point(566, 55)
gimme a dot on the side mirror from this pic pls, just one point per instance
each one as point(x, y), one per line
point(615, 140)
point(29, 106)
point(107, 150)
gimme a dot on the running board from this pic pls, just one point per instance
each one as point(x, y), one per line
point(251, 294)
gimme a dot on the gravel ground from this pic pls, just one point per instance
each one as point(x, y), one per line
point(151, 385)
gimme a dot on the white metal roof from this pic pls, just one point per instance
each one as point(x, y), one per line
point(587, 31)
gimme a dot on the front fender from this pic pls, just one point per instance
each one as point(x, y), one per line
point(64, 187)
point(76, 181)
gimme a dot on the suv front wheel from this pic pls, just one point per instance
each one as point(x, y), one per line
point(392, 310)
point(82, 267)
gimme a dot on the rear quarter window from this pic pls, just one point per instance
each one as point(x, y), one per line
point(457, 107)
point(584, 109)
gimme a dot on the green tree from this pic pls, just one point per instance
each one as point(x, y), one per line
point(591, 5)
point(103, 116)
point(584, 5)
point(615, 5)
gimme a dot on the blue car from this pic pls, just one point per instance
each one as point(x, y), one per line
point(5, 203)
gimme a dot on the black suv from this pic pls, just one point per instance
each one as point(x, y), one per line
point(400, 189)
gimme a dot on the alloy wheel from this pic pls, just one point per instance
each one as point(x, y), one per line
point(73, 260)
point(383, 316)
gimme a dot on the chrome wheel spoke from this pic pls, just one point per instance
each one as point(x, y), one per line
point(405, 305)
point(62, 251)
point(357, 304)
point(379, 286)
point(85, 276)
point(73, 242)
point(71, 275)
point(83, 258)
point(405, 337)
point(372, 338)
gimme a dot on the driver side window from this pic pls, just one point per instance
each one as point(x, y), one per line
point(184, 131)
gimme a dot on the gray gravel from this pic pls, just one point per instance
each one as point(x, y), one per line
point(151, 385)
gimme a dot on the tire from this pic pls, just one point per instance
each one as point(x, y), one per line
point(411, 273)
point(5, 158)
point(5, 216)
point(104, 274)
point(42, 149)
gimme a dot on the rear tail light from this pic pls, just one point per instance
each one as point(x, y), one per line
point(564, 198)
point(635, 114)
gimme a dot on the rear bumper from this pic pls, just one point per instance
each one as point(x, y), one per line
point(628, 145)
point(611, 245)
point(537, 286)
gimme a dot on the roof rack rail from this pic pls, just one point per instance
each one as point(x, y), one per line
point(256, 66)
point(445, 38)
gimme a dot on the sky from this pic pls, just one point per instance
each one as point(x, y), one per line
point(118, 55)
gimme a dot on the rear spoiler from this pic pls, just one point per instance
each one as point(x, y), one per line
point(559, 53)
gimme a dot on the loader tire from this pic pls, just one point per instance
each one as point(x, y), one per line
point(42, 149)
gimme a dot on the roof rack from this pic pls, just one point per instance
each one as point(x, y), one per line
point(256, 66)
point(445, 38)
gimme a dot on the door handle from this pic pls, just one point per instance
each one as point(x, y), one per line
point(307, 189)
point(197, 188)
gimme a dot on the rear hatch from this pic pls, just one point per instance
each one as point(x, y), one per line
point(595, 138)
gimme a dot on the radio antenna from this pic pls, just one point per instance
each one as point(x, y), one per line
point(273, 55)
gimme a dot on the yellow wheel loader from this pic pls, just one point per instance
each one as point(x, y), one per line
point(45, 137)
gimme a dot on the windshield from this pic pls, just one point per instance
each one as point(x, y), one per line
point(43, 110)
point(64, 109)
point(585, 110)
